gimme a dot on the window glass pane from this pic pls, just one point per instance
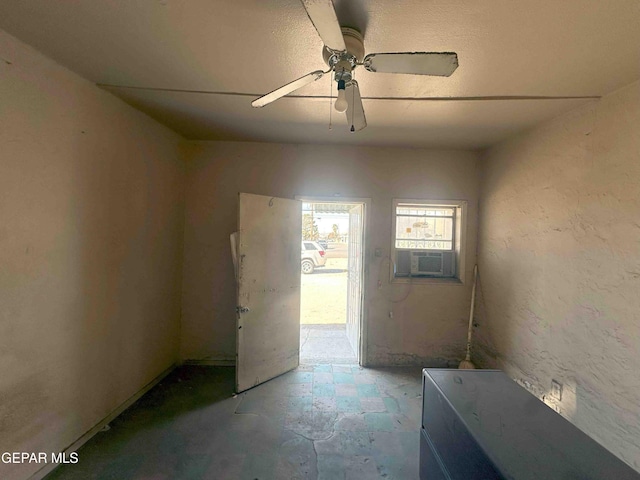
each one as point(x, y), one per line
point(420, 210)
point(309, 246)
point(423, 227)
point(424, 244)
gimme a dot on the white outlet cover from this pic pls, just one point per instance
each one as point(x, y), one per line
point(556, 390)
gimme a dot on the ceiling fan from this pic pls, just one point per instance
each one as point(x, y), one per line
point(344, 51)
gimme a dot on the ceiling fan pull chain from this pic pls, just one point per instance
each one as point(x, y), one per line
point(330, 99)
point(353, 103)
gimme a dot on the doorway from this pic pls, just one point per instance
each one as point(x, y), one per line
point(331, 281)
point(268, 286)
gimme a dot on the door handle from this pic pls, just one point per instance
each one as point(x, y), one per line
point(240, 309)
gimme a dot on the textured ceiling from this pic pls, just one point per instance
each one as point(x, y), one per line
point(506, 48)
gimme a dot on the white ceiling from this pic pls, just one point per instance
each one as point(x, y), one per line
point(550, 48)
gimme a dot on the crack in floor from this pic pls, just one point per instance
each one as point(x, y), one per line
point(339, 416)
point(306, 338)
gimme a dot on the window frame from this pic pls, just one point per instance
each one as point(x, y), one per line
point(459, 238)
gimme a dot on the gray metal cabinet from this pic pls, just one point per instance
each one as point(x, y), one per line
point(480, 425)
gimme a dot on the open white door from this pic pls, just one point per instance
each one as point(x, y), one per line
point(268, 300)
point(354, 277)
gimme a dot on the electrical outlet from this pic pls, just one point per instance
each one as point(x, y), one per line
point(556, 390)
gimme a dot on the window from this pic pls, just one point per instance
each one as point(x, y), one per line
point(424, 227)
point(427, 240)
point(309, 246)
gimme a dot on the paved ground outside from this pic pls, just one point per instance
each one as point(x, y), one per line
point(324, 293)
point(337, 250)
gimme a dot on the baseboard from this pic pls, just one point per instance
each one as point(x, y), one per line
point(48, 468)
point(212, 362)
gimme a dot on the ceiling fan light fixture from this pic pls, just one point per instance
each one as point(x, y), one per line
point(341, 102)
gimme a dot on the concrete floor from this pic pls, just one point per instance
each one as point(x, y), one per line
point(325, 344)
point(317, 422)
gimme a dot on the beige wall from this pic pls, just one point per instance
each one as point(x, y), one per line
point(91, 208)
point(559, 245)
point(427, 327)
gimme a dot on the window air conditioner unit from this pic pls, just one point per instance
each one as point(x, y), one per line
point(433, 264)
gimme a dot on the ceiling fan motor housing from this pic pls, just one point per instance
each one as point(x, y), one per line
point(355, 49)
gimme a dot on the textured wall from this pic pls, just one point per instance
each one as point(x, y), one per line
point(559, 256)
point(428, 324)
point(91, 213)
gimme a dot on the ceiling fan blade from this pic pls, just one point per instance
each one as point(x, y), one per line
point(441, 64)
point(355, 110)
point(323, 16)
point(286, 89)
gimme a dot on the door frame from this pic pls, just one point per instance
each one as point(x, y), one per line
point(364, 310)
